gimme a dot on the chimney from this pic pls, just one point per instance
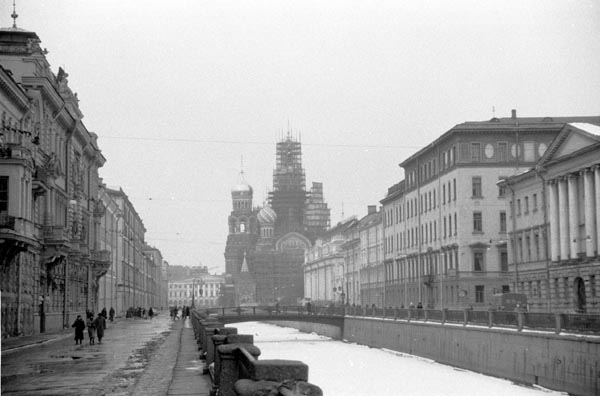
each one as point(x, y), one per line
point(514, 114)
point(371, 209)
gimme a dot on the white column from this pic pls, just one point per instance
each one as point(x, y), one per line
point(563, 214)
point(597, 194)
point(590, 212)
point(573, 215)
point(554, 229)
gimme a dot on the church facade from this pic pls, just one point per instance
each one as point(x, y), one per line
point(265, 247)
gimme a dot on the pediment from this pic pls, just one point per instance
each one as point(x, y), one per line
point(570, 140)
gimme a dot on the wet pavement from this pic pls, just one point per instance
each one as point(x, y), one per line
point(136, 357)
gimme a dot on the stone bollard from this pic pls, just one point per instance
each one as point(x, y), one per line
point(223, 340)
point(219, 331)
point(207, 340)
point(247, 387)
point(228, 370)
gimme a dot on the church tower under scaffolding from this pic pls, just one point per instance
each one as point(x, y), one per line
point(270, 242)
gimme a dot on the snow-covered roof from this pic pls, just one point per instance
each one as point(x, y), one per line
point(584, 126)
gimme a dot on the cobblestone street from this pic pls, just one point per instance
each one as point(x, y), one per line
point(134, 353)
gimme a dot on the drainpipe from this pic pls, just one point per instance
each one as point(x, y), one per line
point(19, 295)
point(538, 171)
point(514, 236)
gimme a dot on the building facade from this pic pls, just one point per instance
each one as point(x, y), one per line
point(203, 291)
point(446, 224)
point(554, 220)
point(49, 210)
point(370, 231)
point(325, 267)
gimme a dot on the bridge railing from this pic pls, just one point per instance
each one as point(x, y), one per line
point(557, 322)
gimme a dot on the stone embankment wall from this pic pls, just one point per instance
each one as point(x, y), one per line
point(568, 363)
point(318, 328)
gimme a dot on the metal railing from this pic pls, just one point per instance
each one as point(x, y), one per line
point(553, 322)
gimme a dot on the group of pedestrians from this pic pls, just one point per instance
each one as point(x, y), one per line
point(95, 327)
point(174, 311)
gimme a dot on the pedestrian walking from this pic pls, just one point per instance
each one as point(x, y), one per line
point(91, 328)
point(150, 313)
point(100, 324)
point(103, 313)
point(79, 326)
point(111, 313)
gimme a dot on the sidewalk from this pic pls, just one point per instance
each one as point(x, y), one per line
point(187, 378)
point(14, 343)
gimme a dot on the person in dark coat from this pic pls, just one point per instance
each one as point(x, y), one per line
point(111, 313)
point(150, 312)
point(103, 312)
point(79, 326)
point(100, 323)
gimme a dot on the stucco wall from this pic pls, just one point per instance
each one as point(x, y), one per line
point(562, 362)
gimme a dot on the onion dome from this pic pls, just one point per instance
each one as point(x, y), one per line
point(267, 215)
point(241, 188)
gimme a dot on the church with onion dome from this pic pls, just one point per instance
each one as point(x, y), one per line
point(266, 244)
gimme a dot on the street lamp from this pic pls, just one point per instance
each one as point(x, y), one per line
point(194, 293)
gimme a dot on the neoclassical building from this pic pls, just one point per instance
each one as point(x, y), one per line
point(265, 246)
point(553, 225)
point(446, 225)
point(49, 209)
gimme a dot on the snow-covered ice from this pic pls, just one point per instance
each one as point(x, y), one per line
point(341, 368)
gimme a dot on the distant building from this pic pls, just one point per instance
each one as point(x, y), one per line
point(203, 291)
point(554, 224)
point(324, 266)
point(270, 241)
point(446, 224)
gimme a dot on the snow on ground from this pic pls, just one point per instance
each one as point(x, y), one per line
point(341, 368)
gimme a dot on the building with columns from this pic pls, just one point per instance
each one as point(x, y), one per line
point(325, 267)
point(446, 227)
point(202, 291)
point(554, 224)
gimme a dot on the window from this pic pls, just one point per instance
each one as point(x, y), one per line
point(450, 225)
point(518, 207)
point(477, 222)
point(526, 205)
point(502, 221)
point(454, 192)
point(3, 193)
point(502, 188)
point(475, 152)
point(479, 292)
point(593, 285)
point(478, 261)
point(535, 206)
point(502, 151)
point(476, 187)
point(503, 260)
point(455, 225)
point(444, 194)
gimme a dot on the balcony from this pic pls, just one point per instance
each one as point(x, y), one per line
point(101, 261)
point(428, 279)
point(6, 221)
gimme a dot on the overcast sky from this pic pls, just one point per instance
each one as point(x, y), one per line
point(180, 91)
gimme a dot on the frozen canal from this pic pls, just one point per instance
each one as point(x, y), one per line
point(349, 369)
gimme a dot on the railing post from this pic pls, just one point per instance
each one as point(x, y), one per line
point(396, 313)
point(520, 320)
point(409, 312)
point(228, 370)
point(490, 318)
point(426, 314)
point(558, 322)
point(223, 311)
point(444, 315)
point(466, 316)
